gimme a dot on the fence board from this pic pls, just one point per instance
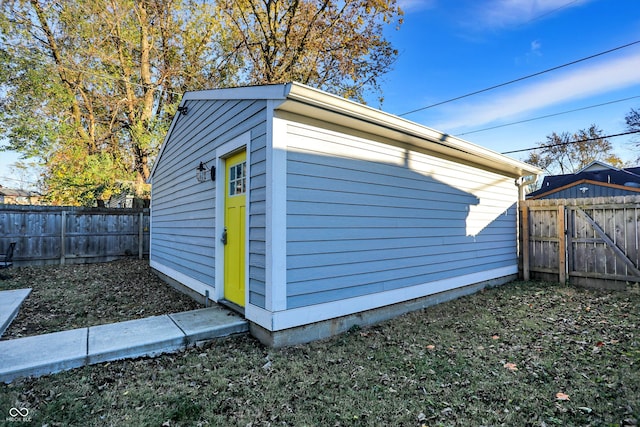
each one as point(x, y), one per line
point(52, 234)
point(601, 237)
point(543, 239)
point(562, 250)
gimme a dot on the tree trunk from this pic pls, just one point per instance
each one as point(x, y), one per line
point(76, 111)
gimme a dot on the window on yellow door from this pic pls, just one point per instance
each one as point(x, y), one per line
point(238, 179)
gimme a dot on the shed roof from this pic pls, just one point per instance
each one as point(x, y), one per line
point(304, 100)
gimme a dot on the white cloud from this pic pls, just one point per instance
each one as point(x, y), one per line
point(536, 47)
point(416, 5)
point(509, 13)
point(576, 84)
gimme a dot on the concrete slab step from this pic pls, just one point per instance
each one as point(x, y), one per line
point(10, 302)
point(205, 324)
point(51, 353)
point(42, 354)
point(134, 338)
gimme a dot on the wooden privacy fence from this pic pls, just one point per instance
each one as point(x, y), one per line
point(589, 242)
point(59, 235)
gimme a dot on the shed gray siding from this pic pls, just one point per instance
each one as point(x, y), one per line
point(183, 210)
point(365, 217)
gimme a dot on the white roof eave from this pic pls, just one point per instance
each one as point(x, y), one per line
point(305, 100)
point(301, 99)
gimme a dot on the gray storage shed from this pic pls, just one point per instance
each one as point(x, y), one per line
point(310, 213)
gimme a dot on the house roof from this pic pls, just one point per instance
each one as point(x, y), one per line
point(627, 177)
point(303, 100)
point(17, 193)
point(597, 165)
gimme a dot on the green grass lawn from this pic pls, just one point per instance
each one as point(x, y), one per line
point(524, 354)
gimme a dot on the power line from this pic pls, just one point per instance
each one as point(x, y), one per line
point(548, 115)
point(17, 180)
point(572, 142)
point(521, 78)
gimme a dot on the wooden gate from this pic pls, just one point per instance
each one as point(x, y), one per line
point(589, 242)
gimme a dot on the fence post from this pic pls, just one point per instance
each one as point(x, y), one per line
point(140, 235)
point(63, 237)
point(525, 242)
point(562, 249)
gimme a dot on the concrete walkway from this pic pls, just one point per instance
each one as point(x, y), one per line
point(59, 351)
point(10, 302)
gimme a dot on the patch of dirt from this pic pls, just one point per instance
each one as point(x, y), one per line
point(75, 296)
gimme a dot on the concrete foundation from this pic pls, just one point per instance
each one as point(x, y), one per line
point(198, 297)
point(331, 327)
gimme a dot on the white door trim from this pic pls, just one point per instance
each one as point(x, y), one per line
point(221, 153)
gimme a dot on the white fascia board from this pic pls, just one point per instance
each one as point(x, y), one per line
point(297, 98)
point(277, 321)
point(275, 91)
point(418, 134)
point(174, 122)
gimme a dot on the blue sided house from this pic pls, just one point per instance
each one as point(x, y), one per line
point(309, 213)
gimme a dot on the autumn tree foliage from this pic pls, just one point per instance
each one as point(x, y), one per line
point(89, 87)
point(633, 120)
point(633, 125)
point(333, 45)
point(569, 152)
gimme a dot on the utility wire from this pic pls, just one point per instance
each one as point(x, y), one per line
point(548, 115)
point(572, 142)
point(521, 78)
point(21, 181)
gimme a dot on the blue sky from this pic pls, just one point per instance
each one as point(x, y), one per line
point(452, 48)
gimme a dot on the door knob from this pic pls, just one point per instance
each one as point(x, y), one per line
point(224, 236)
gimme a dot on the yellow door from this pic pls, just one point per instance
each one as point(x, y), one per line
point(234, 224)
